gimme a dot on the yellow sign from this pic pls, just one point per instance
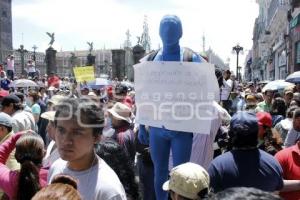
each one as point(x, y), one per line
point(86, 73)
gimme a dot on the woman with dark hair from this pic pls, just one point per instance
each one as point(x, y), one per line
point(115, 156)
point(278, 110)
point(269, 139)
point(23, 184)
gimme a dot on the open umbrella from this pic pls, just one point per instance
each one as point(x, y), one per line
point(98, 83)
point(294, 77)
point(276, 85)
point(23, 83)
point(128, 84)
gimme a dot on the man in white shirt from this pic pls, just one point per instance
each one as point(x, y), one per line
point(78, 124)
point(226, 88)
point(31, 69)
point(10, 66)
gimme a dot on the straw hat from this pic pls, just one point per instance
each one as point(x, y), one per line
point(121, 112)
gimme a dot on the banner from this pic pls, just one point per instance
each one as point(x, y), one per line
point(84, 74)
point(176, 95)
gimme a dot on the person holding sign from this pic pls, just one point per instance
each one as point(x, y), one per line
point(161, 140)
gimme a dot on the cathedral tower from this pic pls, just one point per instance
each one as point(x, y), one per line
point(5, 29)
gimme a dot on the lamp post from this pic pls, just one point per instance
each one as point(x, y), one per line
point(22, 51)
point(237, 49)
point(34, 48)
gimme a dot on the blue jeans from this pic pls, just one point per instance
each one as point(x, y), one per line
point(161, 141)
point(31, 74)
point(10, 74)
point(146, 176)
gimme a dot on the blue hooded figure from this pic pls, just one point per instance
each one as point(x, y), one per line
point(161, 140)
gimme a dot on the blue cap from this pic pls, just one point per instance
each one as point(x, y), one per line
point(245, 123)
point(12, 98)
point(5, 119)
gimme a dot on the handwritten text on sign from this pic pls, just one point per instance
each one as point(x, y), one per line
point(84, 74)
point(176, 95)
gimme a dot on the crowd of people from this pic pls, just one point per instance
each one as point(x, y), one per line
point(91, 136)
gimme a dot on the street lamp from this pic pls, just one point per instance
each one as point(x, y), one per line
point(34, 48)
point(237, 49)
point(22, 51)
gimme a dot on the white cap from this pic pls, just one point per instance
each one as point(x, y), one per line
point(187, 180)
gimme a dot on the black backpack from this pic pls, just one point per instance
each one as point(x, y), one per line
point(187, 55)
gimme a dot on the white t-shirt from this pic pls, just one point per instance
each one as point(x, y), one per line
point(226, 89)
point(10, 64)
point(99, 182)
point(31, 68)
point(23, 120)
point(51, 155)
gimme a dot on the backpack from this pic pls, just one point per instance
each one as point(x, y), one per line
point(187, 55)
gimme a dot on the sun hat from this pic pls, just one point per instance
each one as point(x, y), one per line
point(121, 112)
point(48, 115)
point(56, 99)
point(5, 119)
point(187, 180)
point(251, 97)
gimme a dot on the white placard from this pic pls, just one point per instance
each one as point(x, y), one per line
point(176, 95)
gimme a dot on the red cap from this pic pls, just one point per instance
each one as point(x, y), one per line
point(4, 93)
point(264, 119)
point(128, 101)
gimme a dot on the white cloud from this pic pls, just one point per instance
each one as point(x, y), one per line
point(74, 22)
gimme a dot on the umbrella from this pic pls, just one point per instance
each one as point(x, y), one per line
point(128, 84)
point(294, 77)
point(98, 83)
point(263, 82)
point(102, 81)
point(23, 83)
point(276, 85)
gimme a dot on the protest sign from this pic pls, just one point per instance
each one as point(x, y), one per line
point(84, 74)
point(176, 95)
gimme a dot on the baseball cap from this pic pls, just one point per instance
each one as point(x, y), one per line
point(244, 123)
point(3, 93)
point(264, 119)
point(187, 180)
point(48, 115)
point(12, 98)
point(5, 119)
point(250, 97)
point(121, 89)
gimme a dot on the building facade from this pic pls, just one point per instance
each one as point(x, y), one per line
point(294, 37)
point(270, 50)
point(112, 63)
point(215, 59)
point(66, 60)
point(5, 29)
